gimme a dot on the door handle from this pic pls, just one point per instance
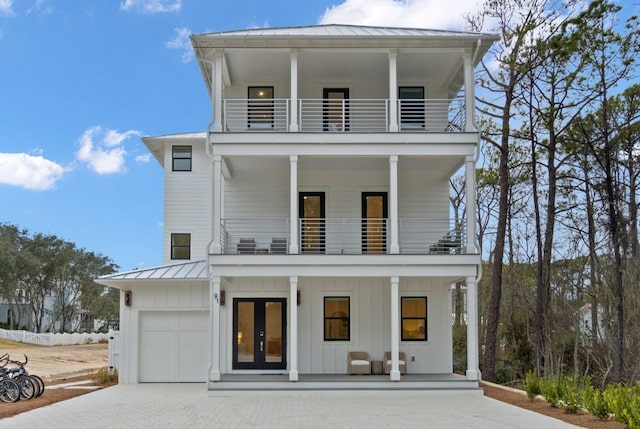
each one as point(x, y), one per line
point(261, 345)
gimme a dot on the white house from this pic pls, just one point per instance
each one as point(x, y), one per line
point(312, 218)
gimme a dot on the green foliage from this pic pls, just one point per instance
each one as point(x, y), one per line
point(570, 394)
point(459, 349)
point(531, 385)
point(105, 376)
point(504, 373)
point(594, 402)
point(624, 403)
point(550, 389)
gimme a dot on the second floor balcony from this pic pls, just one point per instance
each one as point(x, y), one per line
point(343, 115)
point(344, 236)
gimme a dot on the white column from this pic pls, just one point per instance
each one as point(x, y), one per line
point(469, 93)
point(393, 91)
point(217, 90)
point(214, 328)
point(293, 205)
point(293, 328)
point(217, 204)
point(293, 108)
point(473, 370)
point(393, 205)
point(395, 330)
point(470, 182)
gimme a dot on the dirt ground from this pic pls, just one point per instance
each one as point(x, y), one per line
point(63, 364)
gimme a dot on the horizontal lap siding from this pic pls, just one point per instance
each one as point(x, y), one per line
point(187, 203)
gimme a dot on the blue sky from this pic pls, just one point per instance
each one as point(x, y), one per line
point(82, 81)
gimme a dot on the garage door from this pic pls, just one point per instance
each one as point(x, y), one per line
point(173, 346)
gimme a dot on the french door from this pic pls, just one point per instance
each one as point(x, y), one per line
point(412, 107)
point(374, 222)
point(259, 332)
point(335, 109)
point(312, 222)
point(260, 114)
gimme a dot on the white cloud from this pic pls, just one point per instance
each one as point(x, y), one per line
point(143, 159)
point(182, 42)
point(151, 6)
point(6, 7)
point(40, 8)
point(28, 171)
point(103, 150)
point(433, 14)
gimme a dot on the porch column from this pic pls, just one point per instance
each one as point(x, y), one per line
point(473, 370)
point(293, 329)
point(217, 205)
point(395, 329)
point(214, 328)
point(293, 204)
point(393, 91)
point(470, 182)
point(469, 93)
point(217, 90)
point(393, 204)
point(293, 108)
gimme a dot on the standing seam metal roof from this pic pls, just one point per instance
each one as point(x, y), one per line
point(196, 270)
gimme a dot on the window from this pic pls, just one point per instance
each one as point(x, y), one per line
point(181, 158)
point(180, 246)
point(337, 318)
point(414, 318)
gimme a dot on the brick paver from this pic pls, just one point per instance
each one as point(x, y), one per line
point(188, 405)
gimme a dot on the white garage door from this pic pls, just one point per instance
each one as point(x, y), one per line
point(173, 346)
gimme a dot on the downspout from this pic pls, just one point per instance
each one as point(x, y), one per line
point(209, 152)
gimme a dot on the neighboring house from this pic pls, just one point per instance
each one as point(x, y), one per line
point(312, 218)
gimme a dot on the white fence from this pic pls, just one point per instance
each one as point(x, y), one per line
point(114, 350)
point(49, 339)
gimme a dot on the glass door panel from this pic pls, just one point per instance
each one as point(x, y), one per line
point(411, 107)
point(312, 223)
point(335, 109)
point(374, 222)
point(259, 329)
point(260, 114)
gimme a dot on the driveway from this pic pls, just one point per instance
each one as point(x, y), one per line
point(188, 405)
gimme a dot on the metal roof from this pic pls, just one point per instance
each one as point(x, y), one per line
point(339, 30)
point(196, 270)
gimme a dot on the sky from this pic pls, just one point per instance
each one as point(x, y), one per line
point(82, 81)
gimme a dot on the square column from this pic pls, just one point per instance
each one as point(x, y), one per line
point(393, 91)
point(393, 205)
point(473, 370)
point(293, 203)
point(470, 184)
point(293, 328)
point(395, 330)
point(469, 93)
point(217, 205)
point(217, 90)
point(293, 125)
point(214, 328)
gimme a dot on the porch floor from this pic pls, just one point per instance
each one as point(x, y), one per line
point(343, 382)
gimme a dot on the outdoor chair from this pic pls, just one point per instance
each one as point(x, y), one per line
point(247, 246)
point(359, 363)
point(279, 246)
point(402, 362)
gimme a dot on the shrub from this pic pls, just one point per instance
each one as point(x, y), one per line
point(106, 376)
point(570, 394)
point(624, 402)
point(550, 389)
point(594, 402)
point(531, 385)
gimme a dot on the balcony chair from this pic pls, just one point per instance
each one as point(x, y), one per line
point(278, 246)
point(247, 246)
point(402, 362)
point(450, 243)
point(359, 363)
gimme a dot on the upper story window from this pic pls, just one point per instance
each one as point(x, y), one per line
point(181, 158)
point(260, 114)
point(414, 318)
point(337, 318)
point(180, 246)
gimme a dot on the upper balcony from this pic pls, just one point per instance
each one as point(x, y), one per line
point(343, 115)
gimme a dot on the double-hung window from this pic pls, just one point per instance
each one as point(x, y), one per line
point(180, 246)
point(414, 318)
point(337, 318)
point(181, 158)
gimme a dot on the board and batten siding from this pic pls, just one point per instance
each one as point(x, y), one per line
point(370, 321)
point(187, 203)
